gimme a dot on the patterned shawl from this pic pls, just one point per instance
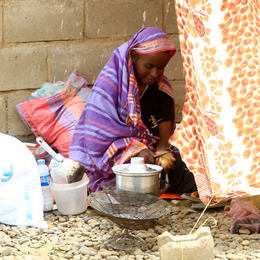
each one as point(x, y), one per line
point(110, 129)
point(219, 136)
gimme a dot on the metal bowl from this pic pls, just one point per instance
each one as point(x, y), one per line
point(138, 176)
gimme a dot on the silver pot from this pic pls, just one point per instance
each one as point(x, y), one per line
point(138, 176)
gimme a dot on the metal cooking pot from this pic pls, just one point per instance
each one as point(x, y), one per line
point(138, 176)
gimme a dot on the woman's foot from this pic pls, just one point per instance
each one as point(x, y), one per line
point(191, 197)
point(195, 194)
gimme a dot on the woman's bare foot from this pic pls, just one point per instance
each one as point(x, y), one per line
point(195, 194)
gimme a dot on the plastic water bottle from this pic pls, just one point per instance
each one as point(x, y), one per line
point(46, 189)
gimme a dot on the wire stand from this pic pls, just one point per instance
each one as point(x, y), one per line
point(129, 210)
point(126, 241)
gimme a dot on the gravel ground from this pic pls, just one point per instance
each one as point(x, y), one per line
point(83, 236)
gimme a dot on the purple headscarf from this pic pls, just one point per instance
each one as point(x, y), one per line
point(111, 119)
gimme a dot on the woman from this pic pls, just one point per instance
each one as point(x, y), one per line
point(130, 111)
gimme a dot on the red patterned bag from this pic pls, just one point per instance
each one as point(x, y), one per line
point(54, 118)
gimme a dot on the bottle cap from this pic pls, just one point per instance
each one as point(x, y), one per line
point(40, 161)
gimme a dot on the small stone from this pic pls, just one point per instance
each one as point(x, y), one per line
point(234, 257)
point(6, 251)
point(143, 235)
point(245, 243)
point(62, 219)
point(88, 244)
point(112, 257)
point(256, 255)
point(35, 245)
point(103, 227)
point(151, 240)
point(96, 257)
point(254, 237)
point(227, 208)
point(114, 253)
point(12, 234)
point(232, 245)
point(193, 215)
point(244, 231)
point(176, 202)
point(254, 244)
point(5, 229)
point(68, 256)
point(24, 240)
point(84, 250)
point(105, 253)
point(11, 244)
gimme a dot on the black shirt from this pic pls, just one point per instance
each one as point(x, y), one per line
point(156, 107)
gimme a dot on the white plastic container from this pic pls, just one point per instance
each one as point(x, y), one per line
point(71, 198)
point(57, 172)
point(46, 190)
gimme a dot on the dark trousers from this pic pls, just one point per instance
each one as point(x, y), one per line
point(181, 180)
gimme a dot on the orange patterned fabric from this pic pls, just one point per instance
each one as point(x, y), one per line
point(219, 135)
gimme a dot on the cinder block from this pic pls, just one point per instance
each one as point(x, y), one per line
point(47, 20)
point(170, 19)
point(179, 92)
point(176, 41)
point(89, 59)
point(16, 126)
point(197, 246)
point(3, 115)
point(121, 17)
point(22, 67)
point(1, 33)
point(174, 69)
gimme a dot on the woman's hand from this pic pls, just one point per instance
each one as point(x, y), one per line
point(166, 161)
point(147, 155)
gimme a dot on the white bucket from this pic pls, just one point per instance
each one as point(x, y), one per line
point(71, 198)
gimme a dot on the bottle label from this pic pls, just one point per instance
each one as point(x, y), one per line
point(45, 180)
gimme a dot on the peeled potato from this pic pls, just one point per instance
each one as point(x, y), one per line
point(165, 161)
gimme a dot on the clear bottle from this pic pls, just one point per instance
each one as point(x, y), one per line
point(46, 189)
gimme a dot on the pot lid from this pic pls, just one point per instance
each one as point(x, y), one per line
point(137, 165)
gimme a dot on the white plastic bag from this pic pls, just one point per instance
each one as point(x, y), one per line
point(21, 201)
point(48, 89)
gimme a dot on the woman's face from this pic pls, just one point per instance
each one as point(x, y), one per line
point(149, 68)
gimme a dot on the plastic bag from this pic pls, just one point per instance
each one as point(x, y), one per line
point(48, 89)
point(21, 201)
point(244, 214)
point(54, 118)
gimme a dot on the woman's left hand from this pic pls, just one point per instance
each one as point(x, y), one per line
point(147, 155)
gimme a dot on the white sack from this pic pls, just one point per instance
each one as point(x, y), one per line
point(21, 201)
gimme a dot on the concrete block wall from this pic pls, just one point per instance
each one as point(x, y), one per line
point(45, 40)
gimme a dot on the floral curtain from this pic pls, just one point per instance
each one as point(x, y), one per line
point(219, 135)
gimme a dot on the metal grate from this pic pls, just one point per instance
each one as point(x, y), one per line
point(129, 209)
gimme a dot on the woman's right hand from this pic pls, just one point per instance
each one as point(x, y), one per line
point(147, 155)
point(167, 162)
